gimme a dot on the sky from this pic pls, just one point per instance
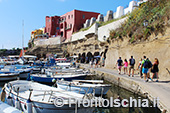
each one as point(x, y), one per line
point(33, 13)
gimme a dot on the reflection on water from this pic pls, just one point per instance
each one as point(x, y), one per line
point(116, 92)
point(124, 94)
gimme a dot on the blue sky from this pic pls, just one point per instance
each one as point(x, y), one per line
point(33, 12)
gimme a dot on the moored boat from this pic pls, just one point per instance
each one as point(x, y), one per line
point(6, 76)
point(84, 86)
point(44, 78)
point(40, 98)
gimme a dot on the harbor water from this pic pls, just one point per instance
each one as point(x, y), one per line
point(116, 92)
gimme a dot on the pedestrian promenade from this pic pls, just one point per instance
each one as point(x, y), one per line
point(159, 89)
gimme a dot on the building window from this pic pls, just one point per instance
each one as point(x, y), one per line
point(68, 16)
point(70, 25)
point(83, 16)
point(71, 16)
point(49, 20)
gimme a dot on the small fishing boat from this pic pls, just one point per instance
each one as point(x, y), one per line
point(63, 62)
point(44, 78)
point(32, 97)
point(59, 69)
point(23, 70)
point(7, 76)
point(36, 69)
point(84, 86)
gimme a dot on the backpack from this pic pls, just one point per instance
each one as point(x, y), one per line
point(132, 61)
point(147, 64)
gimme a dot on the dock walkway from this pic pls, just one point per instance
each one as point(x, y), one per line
point(159, 89)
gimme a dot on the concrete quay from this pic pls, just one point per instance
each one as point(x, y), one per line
point(137, 85)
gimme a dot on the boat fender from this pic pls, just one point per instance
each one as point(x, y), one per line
point(3, 94)
point(54, 80)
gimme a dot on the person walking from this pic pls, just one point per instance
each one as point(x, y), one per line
point(119, 64)
point(139, 68)
point(96, 63)
point(125, 66)
point(132, 64)
point(146, 65)
point(155, 69)
point(92, 62)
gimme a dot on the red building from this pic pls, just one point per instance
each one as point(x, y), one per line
point(52, 25)
point(68, 23)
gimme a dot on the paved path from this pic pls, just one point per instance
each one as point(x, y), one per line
point(159, 89)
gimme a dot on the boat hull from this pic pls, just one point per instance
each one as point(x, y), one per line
point(8, 77)
point(49, 79)
point(24, 74)
point(50, 108)
point(82, 90)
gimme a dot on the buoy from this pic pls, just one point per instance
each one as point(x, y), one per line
point(29, 103)
point(54, 80)
point(17, 102)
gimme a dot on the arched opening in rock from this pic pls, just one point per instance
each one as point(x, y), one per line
point(83, 57)
point(96, 53)
point(89, 57)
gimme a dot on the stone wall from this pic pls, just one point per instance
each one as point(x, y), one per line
point(154, 48)
point(50, 41)
point(82, 34)
point(105, 30)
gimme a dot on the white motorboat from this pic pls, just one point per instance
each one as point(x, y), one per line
point(58, 69)
point(7, 76)
point(39, 98)
point(23, 70)
point(84, 86)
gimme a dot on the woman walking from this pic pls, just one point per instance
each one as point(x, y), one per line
point(125, 66)
point(155, 69)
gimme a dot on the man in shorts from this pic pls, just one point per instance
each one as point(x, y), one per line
point(131, 64)
point(119, 64)
point(146, 65)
